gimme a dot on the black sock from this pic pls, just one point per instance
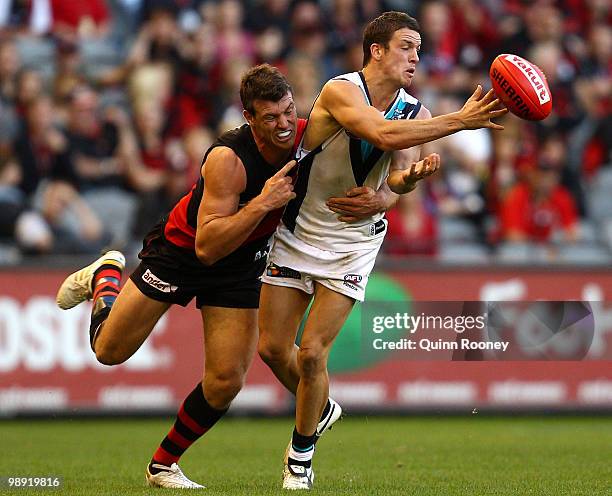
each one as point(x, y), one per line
point(194, 419)
point(97, 319)
point(302, 444)
point(105, 288)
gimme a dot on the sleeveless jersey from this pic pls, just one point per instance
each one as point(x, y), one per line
point(180, 226)
point(340, 163)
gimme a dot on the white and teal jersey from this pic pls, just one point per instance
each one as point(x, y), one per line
point(342, 162)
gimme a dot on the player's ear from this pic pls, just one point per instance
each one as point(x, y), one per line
point(376, 50)
point(248, 116)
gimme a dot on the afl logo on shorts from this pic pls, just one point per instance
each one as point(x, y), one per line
point(154, 281)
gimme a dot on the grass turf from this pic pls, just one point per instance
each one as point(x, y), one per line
point(362, 456)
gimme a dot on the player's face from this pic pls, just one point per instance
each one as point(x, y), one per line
point(275, 122)
point(401, 59)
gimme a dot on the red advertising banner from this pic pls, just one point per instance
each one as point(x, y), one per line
point(46, 364)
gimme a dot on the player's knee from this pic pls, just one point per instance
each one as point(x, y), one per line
point(109, 354)
point(312, 360)
point(272, 354)
point(221, 388)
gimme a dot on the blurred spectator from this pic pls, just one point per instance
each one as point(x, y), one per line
point(304, 73)
point(152, 170)
point(68, 73)
point(186, 65)
point(94, 136)
point(269, 22)
point(440, 49)
point(41, 148)
point(270, 47)
point(151, 83)
point(9, 67)
point(594, 86)
point(475, 27)
point(536, 22)
point(309, 39)
point(29, 87)
point(231, 39)
point(516, 145)
point(345, 18)
point(48, 179)
point(538, 205)
point(79, 20)
point(197, 83)
point(265, 14)
point(159, 39)
point(581, 14)
point(412, 226)
point(92, 142)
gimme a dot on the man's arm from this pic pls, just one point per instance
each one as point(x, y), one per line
point(344, 103)
point(407, 168)
point(405, 171)
point(403, 181)
point(362, 202)
point(222, 226)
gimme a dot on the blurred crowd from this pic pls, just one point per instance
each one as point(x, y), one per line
point(107, 107)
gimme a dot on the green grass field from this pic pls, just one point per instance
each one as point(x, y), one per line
point(361, 456)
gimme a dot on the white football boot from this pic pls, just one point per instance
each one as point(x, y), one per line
point(298, 477)
point(77, 287)
point(169, 477)
point(326, 423)
point(335, 412)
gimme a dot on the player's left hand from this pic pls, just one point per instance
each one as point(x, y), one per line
point(421, 169)
point(359, 203)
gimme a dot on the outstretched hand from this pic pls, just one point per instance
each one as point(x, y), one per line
point(478, 110)
point(421, 169)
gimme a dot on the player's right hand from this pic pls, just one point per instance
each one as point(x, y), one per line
point(278, 190)
point(478, 110)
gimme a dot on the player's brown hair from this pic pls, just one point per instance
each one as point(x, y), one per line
point(381, 30)
point(262, 82)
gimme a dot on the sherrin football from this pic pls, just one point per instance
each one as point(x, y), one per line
point(521, 86)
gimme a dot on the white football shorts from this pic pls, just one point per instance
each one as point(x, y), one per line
point(296, 264)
